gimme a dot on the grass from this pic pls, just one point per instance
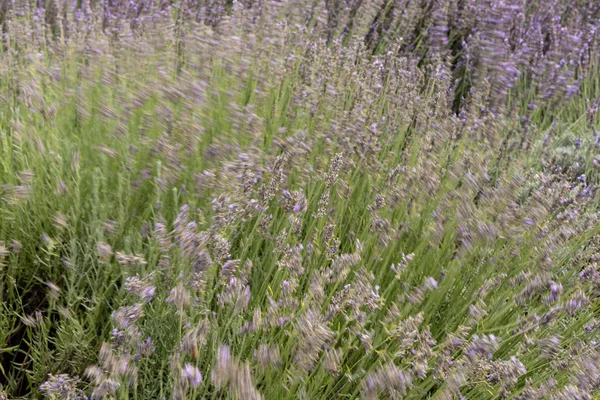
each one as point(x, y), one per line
point(319, 211)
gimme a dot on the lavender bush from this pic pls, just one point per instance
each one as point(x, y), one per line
point(269, 199)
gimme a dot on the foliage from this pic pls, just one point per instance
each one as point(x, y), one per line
point(289, 199)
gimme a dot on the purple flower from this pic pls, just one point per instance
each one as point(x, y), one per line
point(555, 291)
point(146, 348)
point(191, 374)
point(148, 293)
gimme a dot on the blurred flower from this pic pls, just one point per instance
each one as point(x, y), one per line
point(191, 375)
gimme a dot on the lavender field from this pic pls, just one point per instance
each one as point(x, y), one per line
point(299, 199)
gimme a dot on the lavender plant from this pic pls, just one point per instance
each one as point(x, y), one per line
point(286, 199)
